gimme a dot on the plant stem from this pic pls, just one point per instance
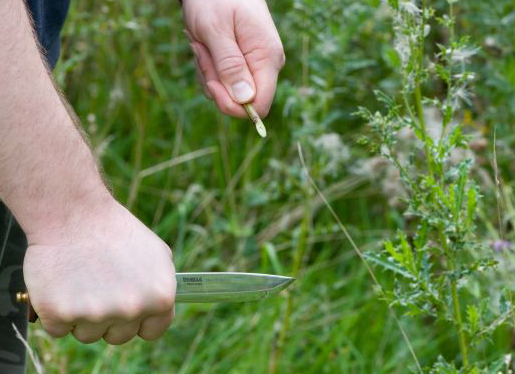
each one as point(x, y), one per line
point(418, 92)
point(297, 262)
point(459, 326)
point(456, 303)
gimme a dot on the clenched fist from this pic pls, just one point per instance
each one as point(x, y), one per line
point(103, 274)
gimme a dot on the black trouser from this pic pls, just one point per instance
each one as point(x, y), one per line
point(13, 245)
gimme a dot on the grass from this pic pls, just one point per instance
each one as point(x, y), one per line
point(225, 200)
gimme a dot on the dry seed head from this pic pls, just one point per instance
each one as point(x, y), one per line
point(410, 7)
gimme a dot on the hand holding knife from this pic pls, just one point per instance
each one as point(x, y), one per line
point(212, 288)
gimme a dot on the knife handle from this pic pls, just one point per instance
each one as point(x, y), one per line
point(23, 297)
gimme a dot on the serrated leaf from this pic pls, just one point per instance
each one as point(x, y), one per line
point(407, 253)
point(472, 319)
point(377, 259)
point(463, 168)
point(397, 256)
point(471, 206)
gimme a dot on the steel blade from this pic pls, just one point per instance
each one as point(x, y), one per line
point(227, 287)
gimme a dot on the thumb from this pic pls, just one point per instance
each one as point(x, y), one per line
point(231, 69)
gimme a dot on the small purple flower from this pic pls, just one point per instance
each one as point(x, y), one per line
point(500, 245)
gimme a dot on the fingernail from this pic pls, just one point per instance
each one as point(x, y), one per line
point(242, 92)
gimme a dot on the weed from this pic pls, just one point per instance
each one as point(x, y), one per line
point(439, 252)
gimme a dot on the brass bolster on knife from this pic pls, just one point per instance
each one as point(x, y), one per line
point(23, 298)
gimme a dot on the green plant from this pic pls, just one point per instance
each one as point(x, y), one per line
point(439, 251)
point(226, 201)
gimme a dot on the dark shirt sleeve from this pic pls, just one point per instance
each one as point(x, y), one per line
point(48, 17)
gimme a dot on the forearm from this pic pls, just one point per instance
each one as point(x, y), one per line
point(47, 170)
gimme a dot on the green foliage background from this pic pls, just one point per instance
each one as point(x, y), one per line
point(235, 202)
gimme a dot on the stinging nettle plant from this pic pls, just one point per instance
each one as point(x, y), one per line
point(438, 253)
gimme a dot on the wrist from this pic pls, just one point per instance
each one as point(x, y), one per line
point(55, 221)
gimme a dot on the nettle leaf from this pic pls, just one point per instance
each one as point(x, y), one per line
point(387, 264)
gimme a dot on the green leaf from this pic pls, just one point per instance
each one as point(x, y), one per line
point(463, 168)
point(473, 319)
point(421, 236)
point(272, 256)
point(471, 206)
point(386, 264)
point(407, 253)
point(397, 256)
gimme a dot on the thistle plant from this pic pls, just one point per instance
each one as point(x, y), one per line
point(438, 254)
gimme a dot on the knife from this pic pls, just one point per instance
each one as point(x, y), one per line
point(212, 288)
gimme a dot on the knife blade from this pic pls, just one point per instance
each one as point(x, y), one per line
point(227, 287)
point(206, 287)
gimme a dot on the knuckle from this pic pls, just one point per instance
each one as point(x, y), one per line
point(94, 316)
point(65, 314)
point(270, 53)
point(131, 310)
point(282, 58)
point(163, 301)
point(276, 53)
point(231, 65)
point(93, 312)
point(204, 24)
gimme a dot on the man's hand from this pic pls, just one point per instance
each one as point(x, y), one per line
point(91, 268)
point(238, 52)
point(102, 275)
